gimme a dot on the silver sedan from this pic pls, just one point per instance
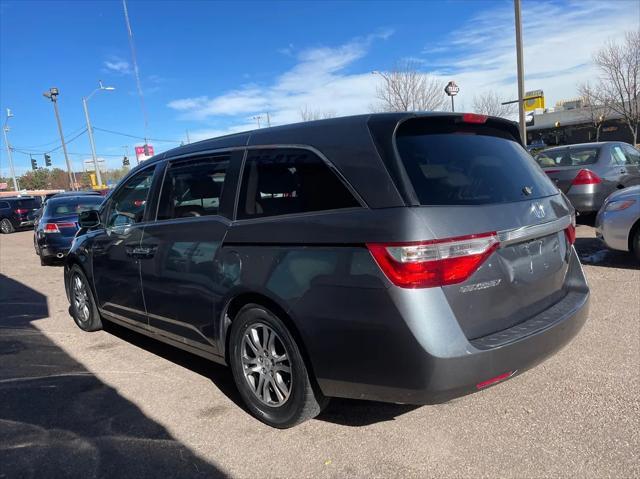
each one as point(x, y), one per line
point(618, 221)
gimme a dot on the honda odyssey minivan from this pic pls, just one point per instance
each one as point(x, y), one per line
point(402, 257)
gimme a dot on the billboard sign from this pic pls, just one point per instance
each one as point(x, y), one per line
point(144, 152)
point(533, 99)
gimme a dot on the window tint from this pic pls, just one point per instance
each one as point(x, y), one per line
point(192, 188)
point(128, 203)
point(72, 206)
point(287, 180)
point(472, 167)
point(633, 155)
point(568, 157)
point(618, 156)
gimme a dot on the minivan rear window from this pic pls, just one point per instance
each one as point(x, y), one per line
point(468, 165)
point(29, 204)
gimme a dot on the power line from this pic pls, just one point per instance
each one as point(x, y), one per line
point(136, 137)
point(25, 150)
point(135, 68)
point(52, 142)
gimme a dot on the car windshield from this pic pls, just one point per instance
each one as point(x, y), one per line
point(469, 165)
point(568, 157)
point(72, 206)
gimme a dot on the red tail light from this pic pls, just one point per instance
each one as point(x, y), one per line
point(570, 232)
point(586, 177)
point(51, 228)
point(21, 211)
point(55, 227)
point(433, 263)
point(474, 118)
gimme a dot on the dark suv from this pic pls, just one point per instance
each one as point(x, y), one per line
point(409, 258)
point(17, 212)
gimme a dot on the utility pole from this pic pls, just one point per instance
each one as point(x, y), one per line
point(52, 95)
point(257, 118)
point(268, 120)
point(5, 130)
point(85, 101)
point(92, 143)
point(520, 62)
point(188, 139)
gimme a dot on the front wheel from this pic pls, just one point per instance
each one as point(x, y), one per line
point(6, 227)
point(83, 305)
point(269, 370)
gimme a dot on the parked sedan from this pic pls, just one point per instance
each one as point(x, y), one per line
point(618, 222)
point(58, 224)
point(589, 172)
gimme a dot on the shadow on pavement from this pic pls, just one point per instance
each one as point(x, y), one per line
point(593, 252)
point(59, 420)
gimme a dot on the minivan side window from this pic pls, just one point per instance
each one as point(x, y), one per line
point(192, 188)
point(282, 181)
point(128, 203)
point(4, 204)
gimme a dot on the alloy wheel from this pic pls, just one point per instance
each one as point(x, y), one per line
point(5, 226)
point(80, 298)
point(266, 365)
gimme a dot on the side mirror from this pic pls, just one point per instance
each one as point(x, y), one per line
point(88, 219)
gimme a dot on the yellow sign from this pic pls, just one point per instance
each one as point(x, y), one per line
point(533, 99)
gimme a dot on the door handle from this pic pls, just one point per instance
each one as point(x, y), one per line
point(142, 252)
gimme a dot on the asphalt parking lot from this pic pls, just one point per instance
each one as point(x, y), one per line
point(116, 404)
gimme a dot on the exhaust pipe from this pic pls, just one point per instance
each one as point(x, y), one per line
point(60, 255)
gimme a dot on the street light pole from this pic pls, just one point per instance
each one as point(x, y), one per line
point(85, 101)
point(5, 130)
point(520, 63)
point(52, 95)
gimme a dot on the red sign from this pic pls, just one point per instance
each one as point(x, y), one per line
point(145, 150)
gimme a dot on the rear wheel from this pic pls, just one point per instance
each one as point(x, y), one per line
point(269, 370)
point(83, 305)
point(6, 227)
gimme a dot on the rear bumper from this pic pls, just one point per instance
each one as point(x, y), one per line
point(447, 365)
point(54, 247)
point(586, 198)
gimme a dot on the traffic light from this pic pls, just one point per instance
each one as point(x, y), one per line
point(34, 163)
point(125, 161)
point(146, 150)
point(47, 160)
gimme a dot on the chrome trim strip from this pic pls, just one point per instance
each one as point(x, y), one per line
point(524, 233)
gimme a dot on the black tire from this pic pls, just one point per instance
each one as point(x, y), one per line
point(87, 319)
point(6, 226)
point(635, 243)
point(303, 401)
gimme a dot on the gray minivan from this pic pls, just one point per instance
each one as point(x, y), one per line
point(409, 258)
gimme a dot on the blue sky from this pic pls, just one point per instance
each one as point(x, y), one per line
point(210, 67)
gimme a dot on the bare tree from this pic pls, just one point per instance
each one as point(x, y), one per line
point(490, 103)
point(619, 66)
point(596, 108)
point(405, 88)
point(306, 114)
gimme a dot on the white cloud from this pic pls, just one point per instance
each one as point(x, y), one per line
point(559, 41)
point(117, 65)
point(317, 82)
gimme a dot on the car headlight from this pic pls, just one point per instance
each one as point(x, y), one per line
point(619, 205)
